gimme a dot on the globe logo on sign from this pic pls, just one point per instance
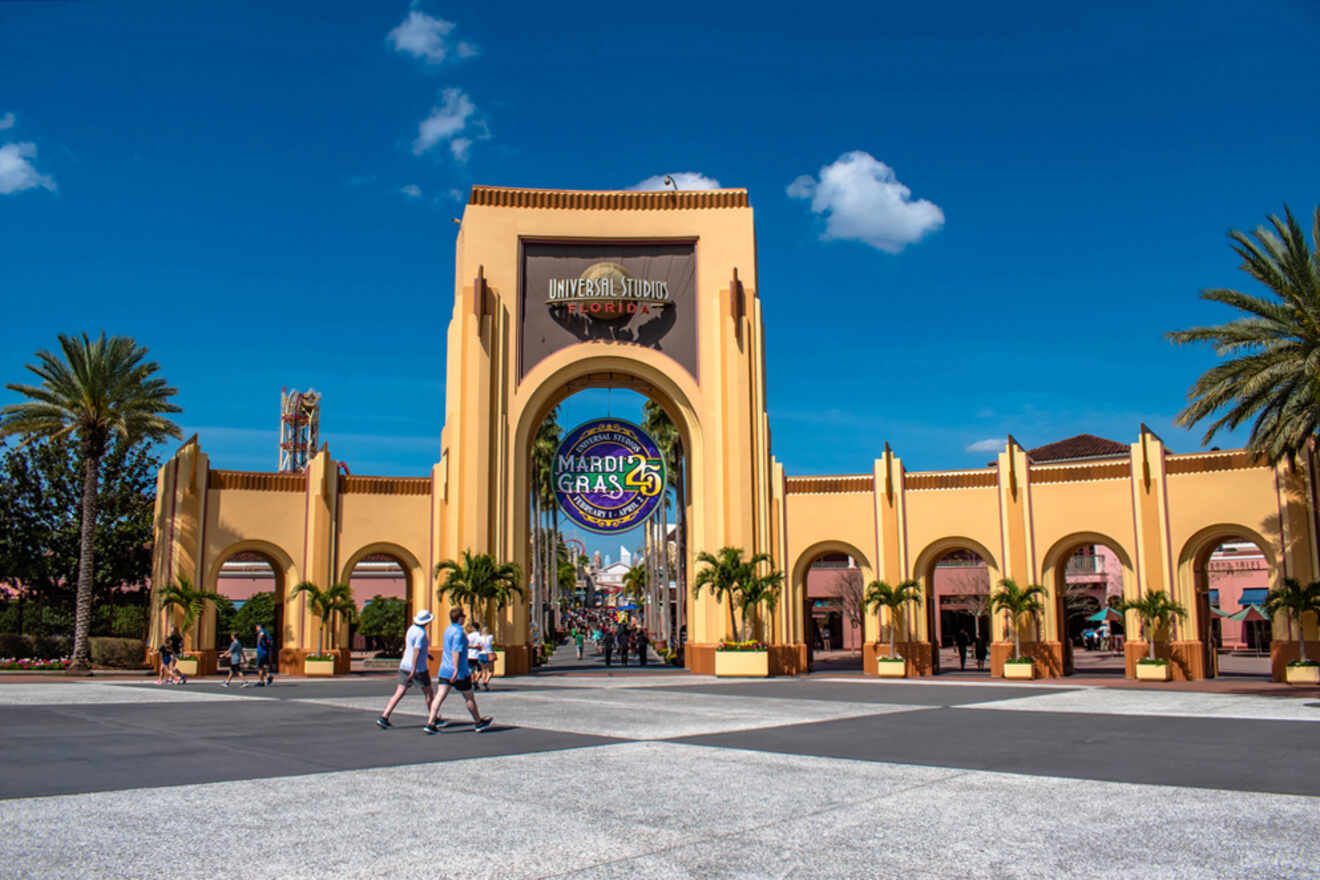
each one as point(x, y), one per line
point(608, 475)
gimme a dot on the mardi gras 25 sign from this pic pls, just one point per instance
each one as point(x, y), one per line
point(609, 475)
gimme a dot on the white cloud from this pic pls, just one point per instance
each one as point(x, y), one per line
point(411, 190)
point(445, 121)
point(989, 444)
point(6, 121)
point(864, 201)
point(426, 37)
point(686, 180)
point(17, 173)
point(460, 147)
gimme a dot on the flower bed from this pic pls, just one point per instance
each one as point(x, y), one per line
point(27, 665)
point(741, 646)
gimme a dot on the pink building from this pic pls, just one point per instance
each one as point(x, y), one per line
point(831, 579)
point(1239, 576)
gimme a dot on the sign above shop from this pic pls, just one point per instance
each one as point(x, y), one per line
point(609, 476)
point(606, 291)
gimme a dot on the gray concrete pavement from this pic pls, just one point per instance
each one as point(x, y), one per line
point(586, 776)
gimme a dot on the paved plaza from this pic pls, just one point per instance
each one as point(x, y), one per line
point(657, 774)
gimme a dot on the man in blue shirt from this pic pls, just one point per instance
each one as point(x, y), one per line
point(412, 666)
point(455, 673)
point(264, 678)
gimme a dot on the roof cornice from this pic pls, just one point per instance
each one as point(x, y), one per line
point(607, 200)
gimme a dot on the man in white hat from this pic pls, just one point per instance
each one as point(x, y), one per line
point(412, 667)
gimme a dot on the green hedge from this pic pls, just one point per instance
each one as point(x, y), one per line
point(35, 647)
point(119, 653)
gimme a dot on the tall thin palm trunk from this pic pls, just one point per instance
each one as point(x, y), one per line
point(82, 657)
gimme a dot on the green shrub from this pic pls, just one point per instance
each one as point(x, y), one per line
point(50, 647)
point(14, 645)
point(129, 622)
point(385, 620)
point(119, 653)
point(260, 609)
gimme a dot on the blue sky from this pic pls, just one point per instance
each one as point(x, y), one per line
point(972, 220)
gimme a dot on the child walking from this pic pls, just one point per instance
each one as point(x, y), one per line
point(235, 660)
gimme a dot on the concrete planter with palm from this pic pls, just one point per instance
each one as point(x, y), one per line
point(328, 605)
point(1016, 603)
point(1157, 611)
point(98, 390)
point(1296, 601)
point(881, 595)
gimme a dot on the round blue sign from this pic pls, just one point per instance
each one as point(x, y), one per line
point(609, 475)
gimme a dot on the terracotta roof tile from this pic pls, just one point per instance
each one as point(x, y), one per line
point(1081, 446)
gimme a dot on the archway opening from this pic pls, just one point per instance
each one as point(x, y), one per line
point(621, 593)
point(835, 612)
point(1233, 579)
point(251, 590)
point(1092, 626)
point(958, 611)
point(382, 595)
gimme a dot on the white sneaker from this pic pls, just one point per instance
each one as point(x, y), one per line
point(245, 684)
point(224, 684)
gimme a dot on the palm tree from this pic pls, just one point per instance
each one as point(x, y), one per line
point(99, 389)
point(880, 594)
point(634, 584)
point(182, 595)
point(728, 574)
point(327, 604)
point(1295, 600)
point(1156, 610)
point(1016, 601)
point(758, 590)
point(480, 580)
point(664, 432)
point(541, 487)
point(1272, 375)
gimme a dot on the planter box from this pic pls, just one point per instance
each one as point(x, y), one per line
point(748, 664)
point(1019, 670)
point(1302, 674)
point(886, 667)
point(318, 667)
point(499, 663)
point(1155, 671)
point(188, 666)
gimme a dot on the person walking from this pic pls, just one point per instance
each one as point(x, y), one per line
point(168, 674)
point(607, 644)
point(643, 641)
point(235, 660)
point(980, 649)
point(622, 639)
point(578, 640)
point(473, 652)
point(486, 658)
point(412, 666)
point(455, 674)
point(962, 641)
point(265, 648)
point(175, 642)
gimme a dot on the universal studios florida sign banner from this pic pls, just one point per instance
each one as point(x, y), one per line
point(609, 476)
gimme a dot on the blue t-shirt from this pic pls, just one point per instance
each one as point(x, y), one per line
point(263, 644)
point(455, 640)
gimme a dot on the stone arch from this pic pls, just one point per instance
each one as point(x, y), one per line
point(596, 365)
point(286, 572)
point(1053, 578)
point(417, 590)
point(923, 570)
point(1192, 587)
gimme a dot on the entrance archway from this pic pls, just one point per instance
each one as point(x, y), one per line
point(1224, 574)
point(256, 578)
point(638, 576)
point(957, 575)
point(831, 577)
point(385, 571)
point(1089, 574)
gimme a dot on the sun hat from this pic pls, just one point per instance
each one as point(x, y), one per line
point(423, 617)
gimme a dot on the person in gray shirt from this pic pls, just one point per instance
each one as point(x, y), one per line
point(235, 660)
